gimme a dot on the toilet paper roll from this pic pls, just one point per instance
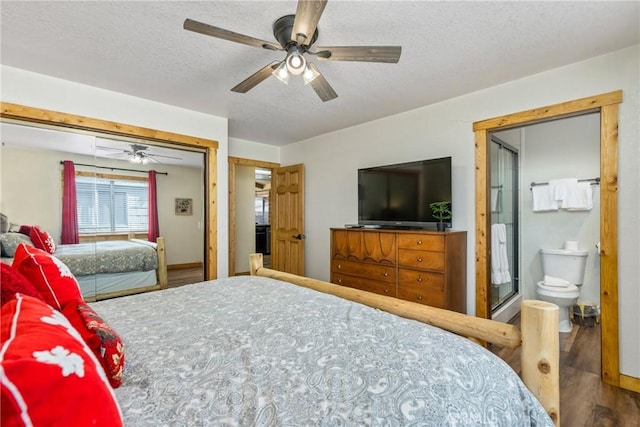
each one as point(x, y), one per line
point(571, 245)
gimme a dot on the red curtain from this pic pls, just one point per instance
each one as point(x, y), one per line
point(70, 233)
point(154, 228)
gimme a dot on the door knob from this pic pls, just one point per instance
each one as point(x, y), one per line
point(300, 236)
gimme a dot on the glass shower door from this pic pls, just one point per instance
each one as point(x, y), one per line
point(504, 223)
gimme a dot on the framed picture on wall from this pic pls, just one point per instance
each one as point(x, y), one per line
point(184, 206)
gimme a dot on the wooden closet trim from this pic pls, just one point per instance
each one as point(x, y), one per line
point(607, 105)
point(42, 117)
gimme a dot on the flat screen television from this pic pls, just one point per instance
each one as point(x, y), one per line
point(398, 195)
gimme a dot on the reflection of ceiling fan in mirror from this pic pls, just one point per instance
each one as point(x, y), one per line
point(139, 154)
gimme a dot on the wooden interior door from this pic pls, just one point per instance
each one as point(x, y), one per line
point(287, 230)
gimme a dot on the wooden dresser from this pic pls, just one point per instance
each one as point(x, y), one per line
point(426, 267)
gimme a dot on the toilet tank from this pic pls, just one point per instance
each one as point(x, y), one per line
point(564, 264)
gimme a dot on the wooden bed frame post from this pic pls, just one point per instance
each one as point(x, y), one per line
point(541, 354)
point(163, 280)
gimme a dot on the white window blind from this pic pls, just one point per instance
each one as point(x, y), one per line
point(112, 205)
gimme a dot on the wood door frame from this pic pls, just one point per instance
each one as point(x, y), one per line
point(34, 116)
point(607, 105)
point(233, 162)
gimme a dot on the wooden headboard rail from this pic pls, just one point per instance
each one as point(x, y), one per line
point(539, 335)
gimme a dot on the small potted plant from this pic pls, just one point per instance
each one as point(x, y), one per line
point(441, 211)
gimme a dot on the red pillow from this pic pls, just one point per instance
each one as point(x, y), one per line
point(42, 239)
point(49, 375)
point(25, 229)
point(100, 337)
point(48, 274)
point(12, 282)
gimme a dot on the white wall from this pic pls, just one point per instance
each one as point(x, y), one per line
point(30, 179)
point(37, 90)
point(246, 149)
point(444, 129)
point(560, 149)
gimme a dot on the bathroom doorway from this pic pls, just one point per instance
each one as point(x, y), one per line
point(505, 287)
point(607, 105)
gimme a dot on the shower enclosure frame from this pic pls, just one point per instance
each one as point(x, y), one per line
point(514, 243)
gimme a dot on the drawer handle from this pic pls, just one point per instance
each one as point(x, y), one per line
point(419, 278)
point(386, 291)
point(419, 242)
point(339, 266)
point(386, 274)
point(420, 259)
point(419, 297)
point(339, 281)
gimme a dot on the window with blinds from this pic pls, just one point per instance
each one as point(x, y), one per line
point(112, 205)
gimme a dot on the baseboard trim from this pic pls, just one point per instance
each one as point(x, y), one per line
point(185, 266)
point(630, 383)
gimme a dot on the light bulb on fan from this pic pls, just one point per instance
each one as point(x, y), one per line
point(296, 63)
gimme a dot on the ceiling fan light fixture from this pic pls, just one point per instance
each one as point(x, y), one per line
point(282, 73)
point(138, 159)
point(296, 64)
point(310, 73)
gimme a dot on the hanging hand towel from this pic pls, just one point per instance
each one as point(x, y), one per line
point(580, 198)
point(560, 188)
point(499, 258)
point(542, 199)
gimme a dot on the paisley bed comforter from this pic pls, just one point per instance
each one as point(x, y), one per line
point(117, 256)
point(247, 351)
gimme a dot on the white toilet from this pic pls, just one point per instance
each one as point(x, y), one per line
point(568, 265)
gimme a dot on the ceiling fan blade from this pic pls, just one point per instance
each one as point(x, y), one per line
point(360, 53)
point(210, 30)
point(255, 78)
point(102, 147)
point(307, 16)
point(160, 155)
point(322, 86)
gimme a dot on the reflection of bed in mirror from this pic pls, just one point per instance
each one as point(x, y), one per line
point(113, 268)
point(107, 269)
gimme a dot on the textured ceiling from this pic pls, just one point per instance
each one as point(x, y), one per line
point(448, 49)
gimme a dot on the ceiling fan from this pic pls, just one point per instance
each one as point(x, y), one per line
point(138, 154)
point(296, 34)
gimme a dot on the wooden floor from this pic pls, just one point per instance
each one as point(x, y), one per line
point(584, 399)
point(184, 276)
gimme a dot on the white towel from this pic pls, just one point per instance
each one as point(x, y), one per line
point(495, 199)
point(560, 188)
point(555, 281)
point(499, 258)
point(542, 199)
point(579, 198)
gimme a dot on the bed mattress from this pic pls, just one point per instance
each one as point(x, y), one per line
point(117, 256)
point(250, 350)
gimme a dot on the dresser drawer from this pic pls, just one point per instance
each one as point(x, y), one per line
point(372, 271)
point(421, 259)
point(421, 242)
point(421, 287)
point(382, 288)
